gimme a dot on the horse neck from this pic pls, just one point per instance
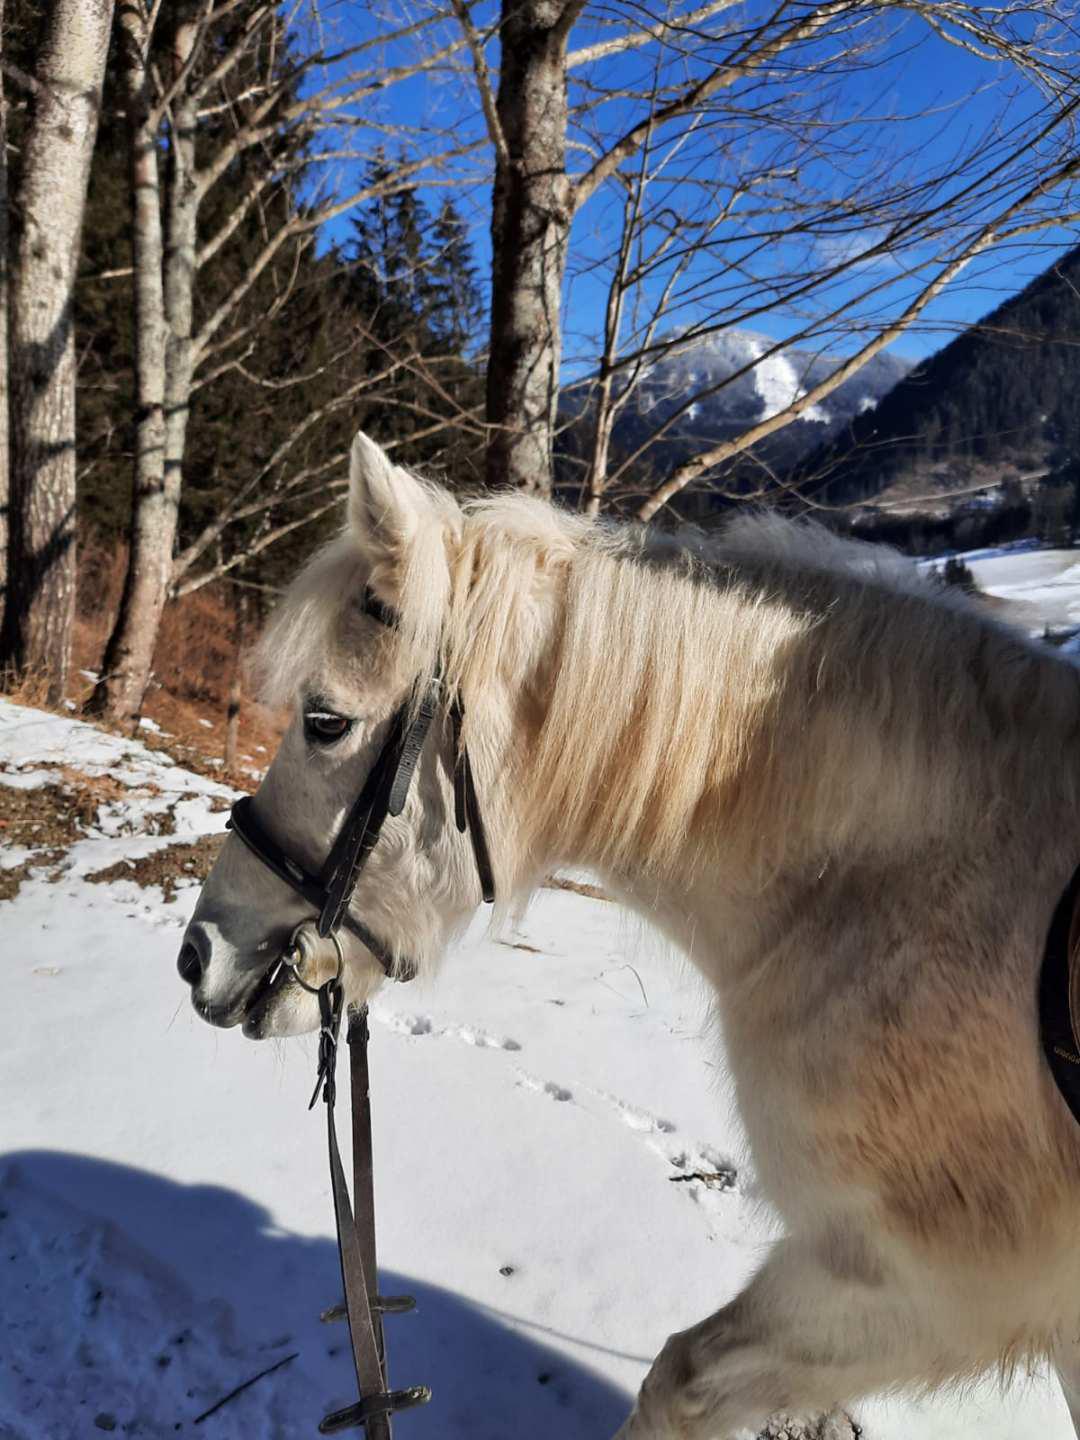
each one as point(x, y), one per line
point(701, 748)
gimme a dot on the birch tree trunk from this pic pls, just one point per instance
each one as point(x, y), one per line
point(51, 202)
point(530, 229)
point(164, 281)
point(129, 652)
point(180, 269)
point(5, 453)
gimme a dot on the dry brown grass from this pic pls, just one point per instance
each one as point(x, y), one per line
point(194, 664)
point(11, 879)
point(171, 868)
point(47, 820)
point(28, 689)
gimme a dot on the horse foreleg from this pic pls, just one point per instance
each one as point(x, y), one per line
point(801, 1338)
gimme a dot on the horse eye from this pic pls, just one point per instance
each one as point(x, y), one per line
point(323, 727)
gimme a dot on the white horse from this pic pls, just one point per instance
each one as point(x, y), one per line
point(852, 798)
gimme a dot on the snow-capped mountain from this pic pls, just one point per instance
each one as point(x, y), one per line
point(733, 382)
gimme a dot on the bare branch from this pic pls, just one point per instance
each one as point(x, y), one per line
point(23, 79)
point(665, 30)
point(483, 81)
point(986, 236)
point(319, 106)
point(271, 537)
point(231, 509)
point(719, 79)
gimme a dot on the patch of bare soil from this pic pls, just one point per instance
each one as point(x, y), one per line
point(193, 733)
point(43, 820)
point(193, 757)
point(46, 817)
point(11, 879)
point(171, 868)
point(61, 813)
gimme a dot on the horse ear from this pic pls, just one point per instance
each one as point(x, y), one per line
point(385, 502)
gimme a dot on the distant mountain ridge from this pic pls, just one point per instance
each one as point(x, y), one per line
point(1002, 400)
point(770, 383)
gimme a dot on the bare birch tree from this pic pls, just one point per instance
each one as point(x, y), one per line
point(769, 197)
point(530, 225)
point(5, 455)
point(65, 101)
point(270, 117)
point(155, 485)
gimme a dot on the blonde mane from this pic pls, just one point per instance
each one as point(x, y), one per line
point(773, 691)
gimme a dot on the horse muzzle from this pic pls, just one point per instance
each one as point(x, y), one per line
point(227, 992)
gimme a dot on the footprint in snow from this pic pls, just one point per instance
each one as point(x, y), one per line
point(471, 1035)
point(703, 1172)
point(468, 1034)
point(544, 1087)
point(408, 1024)
point(642, 1120)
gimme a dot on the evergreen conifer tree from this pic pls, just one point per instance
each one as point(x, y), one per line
point(455, 305)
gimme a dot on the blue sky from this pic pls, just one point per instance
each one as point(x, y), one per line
point(953, 103)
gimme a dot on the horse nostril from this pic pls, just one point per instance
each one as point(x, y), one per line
point(189, 963)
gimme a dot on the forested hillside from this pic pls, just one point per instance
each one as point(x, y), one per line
point(1000, 402)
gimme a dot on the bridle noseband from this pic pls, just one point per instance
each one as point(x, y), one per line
point(329, 893)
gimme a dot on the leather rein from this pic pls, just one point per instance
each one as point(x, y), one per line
point(329, 893)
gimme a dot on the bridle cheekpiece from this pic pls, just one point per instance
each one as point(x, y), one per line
point(329, 893)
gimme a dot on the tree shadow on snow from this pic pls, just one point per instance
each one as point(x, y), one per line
point(134, 1302)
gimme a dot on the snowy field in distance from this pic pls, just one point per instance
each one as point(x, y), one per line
point(539, 1111)
point(1038, 587)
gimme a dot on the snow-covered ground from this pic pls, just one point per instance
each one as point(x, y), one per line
point(539, 1112)
point(1040, 587)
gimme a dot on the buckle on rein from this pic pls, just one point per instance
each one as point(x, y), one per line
point(371, 1412)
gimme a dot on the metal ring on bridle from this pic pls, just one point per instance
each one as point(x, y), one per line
point(293, 957)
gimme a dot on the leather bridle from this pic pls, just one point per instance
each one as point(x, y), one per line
point(384, 793)
point(329, 894)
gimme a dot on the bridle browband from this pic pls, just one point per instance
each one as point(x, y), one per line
point(384, 793)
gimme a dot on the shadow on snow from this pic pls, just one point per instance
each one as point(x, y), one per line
point(133, 1302)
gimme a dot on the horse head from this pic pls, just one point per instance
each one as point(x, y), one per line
point(363, 652)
